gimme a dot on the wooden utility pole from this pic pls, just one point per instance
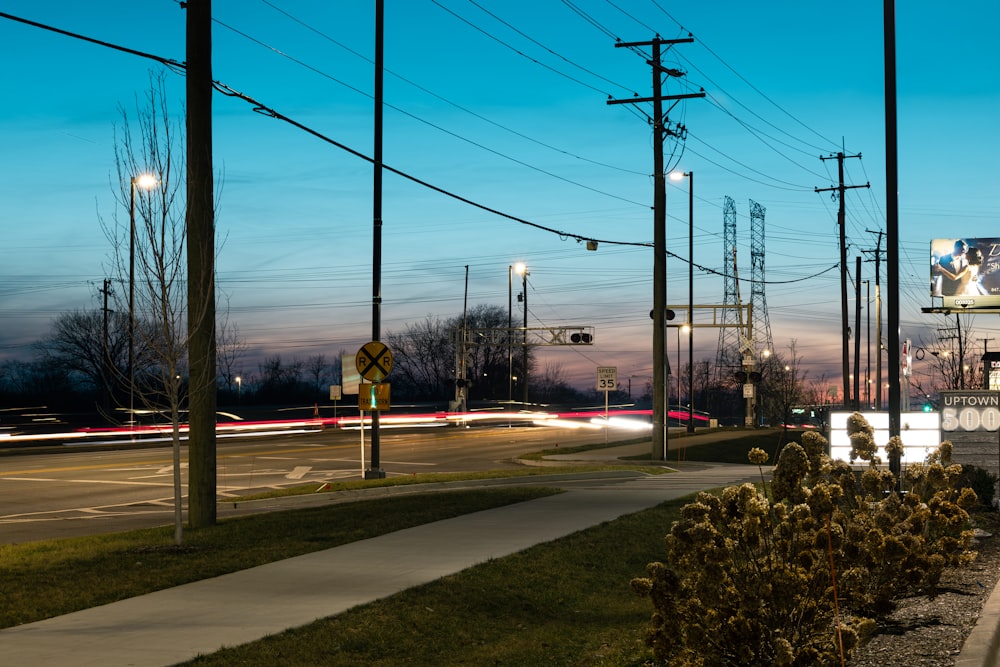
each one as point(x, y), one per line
point(660, 130)
point(892, 225)
point(841, 188)
point(200, 221)
point(857, 334)
point(878, 320)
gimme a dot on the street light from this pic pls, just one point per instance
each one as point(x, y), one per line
point(146, 182)
point(676, 176)
point(239, 388)
point(510, 346)
point(522, 270)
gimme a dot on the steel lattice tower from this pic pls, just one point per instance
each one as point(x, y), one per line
point(727, 354)
point(761, 322)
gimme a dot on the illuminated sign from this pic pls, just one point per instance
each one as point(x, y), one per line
point(965, 272)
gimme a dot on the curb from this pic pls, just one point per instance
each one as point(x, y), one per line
point(982, 646)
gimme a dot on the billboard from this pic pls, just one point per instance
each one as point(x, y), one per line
point(965, 272)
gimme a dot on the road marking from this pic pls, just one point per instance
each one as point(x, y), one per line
point(79, 481)
point(299, 472)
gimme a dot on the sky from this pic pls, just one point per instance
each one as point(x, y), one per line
point(505, 105)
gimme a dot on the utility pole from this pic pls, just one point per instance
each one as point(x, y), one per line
point(841, 188)
point(878, 318)
point(200, 224)
point(660, 130)
point(857, 333)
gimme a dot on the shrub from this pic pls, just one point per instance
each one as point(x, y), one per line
point(802, 578)
point(983, 482)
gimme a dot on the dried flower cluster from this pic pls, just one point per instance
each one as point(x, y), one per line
point(800, 572)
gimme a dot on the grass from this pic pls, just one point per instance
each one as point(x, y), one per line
point(566, 602)
point(50, 578)
point(730, 450)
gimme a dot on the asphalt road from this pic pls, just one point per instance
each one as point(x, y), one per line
point(72, 492)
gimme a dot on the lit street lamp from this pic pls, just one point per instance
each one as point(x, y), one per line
point(146, 182)
point(239, 388)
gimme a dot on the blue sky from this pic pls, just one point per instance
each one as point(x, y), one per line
point(505, 104)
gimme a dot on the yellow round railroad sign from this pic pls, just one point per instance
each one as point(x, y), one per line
point(374, 361)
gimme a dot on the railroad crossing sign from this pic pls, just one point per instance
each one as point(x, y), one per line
point(374, 361)
point(373, 397)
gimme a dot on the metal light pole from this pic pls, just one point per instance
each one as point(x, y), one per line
point(510, 344)
point(144, 181)
point(131, 304)
point(676, 176)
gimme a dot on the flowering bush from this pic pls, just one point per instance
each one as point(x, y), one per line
point(803, 577)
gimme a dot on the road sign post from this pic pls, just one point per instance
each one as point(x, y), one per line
point(607, 381)
point(374, 363)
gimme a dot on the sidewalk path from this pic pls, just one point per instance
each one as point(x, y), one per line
point(178, 624)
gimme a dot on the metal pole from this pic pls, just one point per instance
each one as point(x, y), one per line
point(131, 305)
point(376, 472)
point(510, 342)
point(690, 426)
point(525, 369)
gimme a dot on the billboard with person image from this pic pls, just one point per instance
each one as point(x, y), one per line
point(965, 272)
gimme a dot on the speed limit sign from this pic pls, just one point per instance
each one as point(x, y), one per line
point(607, 378)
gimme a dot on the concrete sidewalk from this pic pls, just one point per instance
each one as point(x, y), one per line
point(178, 624)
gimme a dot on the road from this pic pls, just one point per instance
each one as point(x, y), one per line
point(72, 492)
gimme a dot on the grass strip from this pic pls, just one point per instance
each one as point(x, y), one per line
point(565, 602)
point(50, 578)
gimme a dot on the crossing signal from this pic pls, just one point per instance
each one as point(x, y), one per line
point(581, 338)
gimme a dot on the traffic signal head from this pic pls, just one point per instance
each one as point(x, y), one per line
point(581, 338)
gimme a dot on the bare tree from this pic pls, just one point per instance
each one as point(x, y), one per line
point(149, 256)
point(423, 359)
point(76, 343)
point(317, 368)
point(231, 348)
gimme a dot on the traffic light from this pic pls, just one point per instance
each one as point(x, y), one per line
point(581, 338)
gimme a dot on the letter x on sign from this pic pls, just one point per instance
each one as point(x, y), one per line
point(374, 361)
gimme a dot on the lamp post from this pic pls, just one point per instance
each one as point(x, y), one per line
point(239, 389)
point(510, 345)
point(144, 181)
point(521, 269)
point(686, 328)
point(676, 176)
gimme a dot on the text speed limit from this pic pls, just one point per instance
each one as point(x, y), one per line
point(607, 378)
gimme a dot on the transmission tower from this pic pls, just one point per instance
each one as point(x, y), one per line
point(727, 358)
point(758, 301)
